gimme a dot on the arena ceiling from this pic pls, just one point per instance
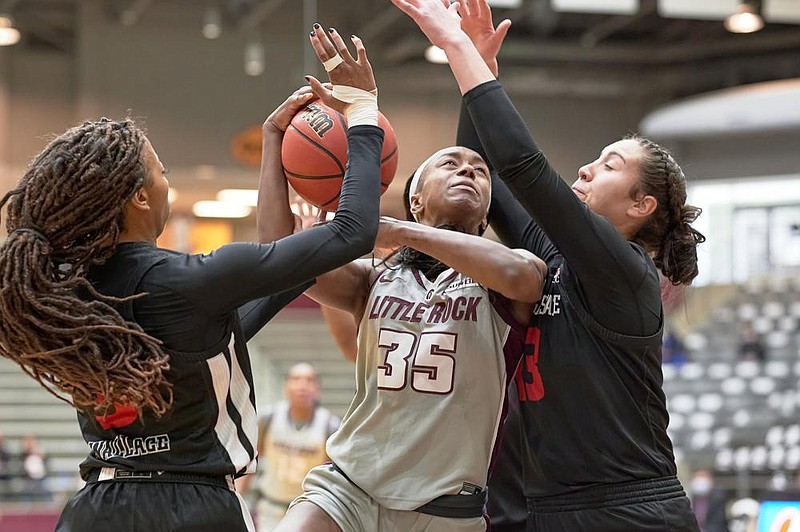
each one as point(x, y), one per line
point(547, 50)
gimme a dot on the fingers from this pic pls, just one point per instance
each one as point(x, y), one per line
point(405, 7)
point(338, 42)
point(319, 90)
point(297, 224)
point(360, 49)
point(301, 96)
point(321, 44)
point(481, 8)
point(502, 30)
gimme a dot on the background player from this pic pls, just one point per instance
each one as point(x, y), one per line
point(149, 344)
point(291, 440)
point(598, 456)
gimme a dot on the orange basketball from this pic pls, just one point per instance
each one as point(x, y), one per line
point(314, 154)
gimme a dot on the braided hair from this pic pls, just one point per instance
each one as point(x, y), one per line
point(66, 215)
point(668, 233)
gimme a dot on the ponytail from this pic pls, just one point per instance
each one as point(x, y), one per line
point(668, 234)
point(65, 216)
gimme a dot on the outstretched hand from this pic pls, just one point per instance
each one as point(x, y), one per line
point(438, 19)
point(306, 215)
point(280, 118)
point(350, 72)
point(476, 21)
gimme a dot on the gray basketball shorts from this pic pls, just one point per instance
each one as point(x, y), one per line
point(355, 511)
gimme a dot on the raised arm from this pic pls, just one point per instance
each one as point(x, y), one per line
point(238, 273)
point(442, 26)
point(507, 216)
point(592, 245)
point(509, 219)
point(273, 217)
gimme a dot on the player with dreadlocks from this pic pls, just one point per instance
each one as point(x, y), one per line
point(61, 221)
point(149, 344)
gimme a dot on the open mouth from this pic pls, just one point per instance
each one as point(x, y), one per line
point(465, 186)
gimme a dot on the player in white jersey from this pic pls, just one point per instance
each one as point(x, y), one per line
point(441, 330)
point(437, 347)
point(291, 441)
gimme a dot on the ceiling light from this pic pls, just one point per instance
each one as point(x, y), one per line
point(434, 54)
point(8, 33)
point(172, 195)
point(240, 196)
point(745, 20)
point(220, 209)
point(254, 58)
point(212, 23)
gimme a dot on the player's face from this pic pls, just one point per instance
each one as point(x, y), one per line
point(157, 188)
point(605, 184)
point(454, 189)
point(302, 387)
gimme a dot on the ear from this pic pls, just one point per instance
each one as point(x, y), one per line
point(415, 205)
point(140, 200)
point(483, 225)
point(643, 207)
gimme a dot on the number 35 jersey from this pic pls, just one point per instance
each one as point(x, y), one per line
point(434, 360)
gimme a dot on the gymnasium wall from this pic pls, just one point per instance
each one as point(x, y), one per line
point(194, 96)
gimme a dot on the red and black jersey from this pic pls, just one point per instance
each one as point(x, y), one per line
point(590, 385)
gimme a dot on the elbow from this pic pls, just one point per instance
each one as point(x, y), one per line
point(365, 239)
point(526, 279)
point(359, 238)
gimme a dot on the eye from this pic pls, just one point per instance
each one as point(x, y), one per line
point(449, 162)
point(608, 166)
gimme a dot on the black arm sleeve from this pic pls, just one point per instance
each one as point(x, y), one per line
point(237, 273)
point(255, 314)
point(508, 218)
point(609, 269)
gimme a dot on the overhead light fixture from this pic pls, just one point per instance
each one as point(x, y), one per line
point(434, 54)
point(220, 209)
point(212, 23)
point(746, 19)
point(8, 33)
point(241, 196)
point(254, 58)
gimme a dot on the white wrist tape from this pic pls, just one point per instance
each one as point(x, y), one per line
point(362, 106)
point(332, 63)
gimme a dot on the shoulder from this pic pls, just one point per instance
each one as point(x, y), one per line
point(331, 420)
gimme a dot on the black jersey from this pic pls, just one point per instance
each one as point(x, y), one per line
point(507, 507)
point(593, 408)
point(204, 308)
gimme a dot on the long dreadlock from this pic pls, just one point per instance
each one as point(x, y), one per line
point(66, 215)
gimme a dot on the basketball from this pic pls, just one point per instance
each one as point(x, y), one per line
point(314, 154)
